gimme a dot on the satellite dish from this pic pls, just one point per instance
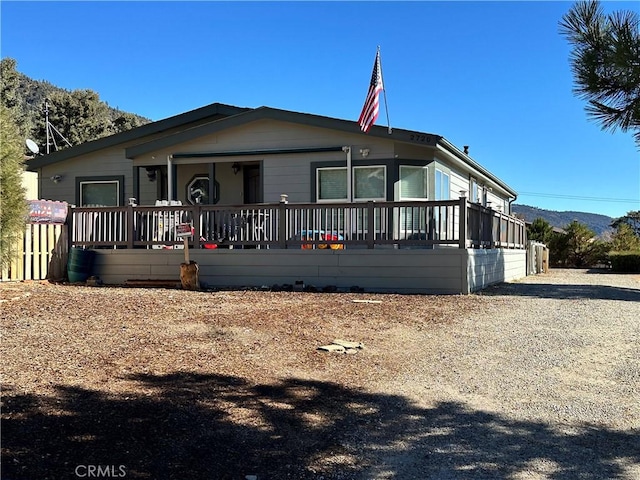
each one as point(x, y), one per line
point(33, 146)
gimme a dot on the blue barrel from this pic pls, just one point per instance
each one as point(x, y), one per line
point(80, 264)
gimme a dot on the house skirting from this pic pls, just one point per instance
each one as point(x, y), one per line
point(436, 271)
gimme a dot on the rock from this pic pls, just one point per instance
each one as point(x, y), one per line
point(347, 345)
point(333, 348)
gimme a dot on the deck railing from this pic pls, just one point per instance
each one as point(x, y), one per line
point(456, 223)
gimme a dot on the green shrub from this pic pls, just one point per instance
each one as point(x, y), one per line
point(625, 261)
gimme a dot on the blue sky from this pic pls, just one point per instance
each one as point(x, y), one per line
point(491, 75)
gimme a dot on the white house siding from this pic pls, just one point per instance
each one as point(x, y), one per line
point(496, 201)
point(458, 182)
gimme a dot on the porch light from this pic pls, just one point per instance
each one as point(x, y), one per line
point(364, 152)
point(56, 178)
point(236, 167)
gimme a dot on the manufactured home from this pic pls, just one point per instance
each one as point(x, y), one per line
point(275, 196)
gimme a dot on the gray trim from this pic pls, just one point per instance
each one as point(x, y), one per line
point(136, 183)
point(102, 178)
point(243, 153)
point(389, 163)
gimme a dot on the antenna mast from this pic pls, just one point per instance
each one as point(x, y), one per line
point(51, 129)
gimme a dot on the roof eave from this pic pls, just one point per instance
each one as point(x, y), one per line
point(261, 113)
point(452, 150)
point(133, 134)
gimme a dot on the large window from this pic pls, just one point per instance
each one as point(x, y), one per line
point(99, 191)
point(369, 183)
point(413, 183)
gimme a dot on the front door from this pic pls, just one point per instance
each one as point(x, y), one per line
point(252, 192)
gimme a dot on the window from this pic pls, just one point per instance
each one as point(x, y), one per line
point(442, 186)
point(331, 184)
point(474, 197)
point(99, 191)
point(369, 183)
point(198, 190)
point(413, 183)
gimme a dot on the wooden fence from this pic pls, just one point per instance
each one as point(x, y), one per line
point(39, 253)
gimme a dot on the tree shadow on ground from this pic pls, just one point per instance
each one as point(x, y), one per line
point(194, 426)
point(564, 292)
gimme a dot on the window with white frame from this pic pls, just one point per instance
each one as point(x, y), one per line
point(474, 196)
point(443, 225)
point(413, 182)
point(370, 183)
point(99, 193)
point(331, 184)
point(413, 186)
point(443, 189)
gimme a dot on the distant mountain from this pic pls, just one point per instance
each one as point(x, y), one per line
point(77, 115)
point(600, 224)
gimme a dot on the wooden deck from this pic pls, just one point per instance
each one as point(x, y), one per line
point(452, 223)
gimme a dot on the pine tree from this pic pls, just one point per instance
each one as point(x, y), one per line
point(605, 64)
point(13, 206)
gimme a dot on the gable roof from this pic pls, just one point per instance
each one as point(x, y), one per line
point(216, 117)
point(262, 113)
point(193, 117)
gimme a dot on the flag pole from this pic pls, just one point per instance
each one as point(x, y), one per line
point(384, 90)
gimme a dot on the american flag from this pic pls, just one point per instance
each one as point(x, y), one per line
point(371, 106)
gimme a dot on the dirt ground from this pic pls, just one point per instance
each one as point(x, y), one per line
point(171, 384)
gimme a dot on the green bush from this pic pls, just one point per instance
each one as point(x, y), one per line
point(625, 261)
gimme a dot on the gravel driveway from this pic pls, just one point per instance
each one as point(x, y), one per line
point(538, 379)
point(542, 383)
